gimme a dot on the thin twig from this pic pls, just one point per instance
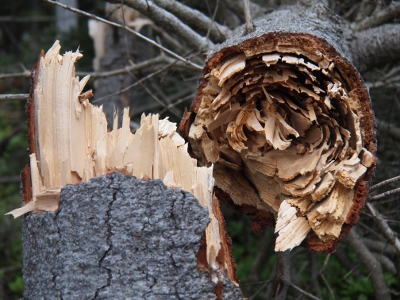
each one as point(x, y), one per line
point(384, 83)
point(13, 19)
point(136, 83)
point(14, 97)
point(304, 292)
point(152, 95)
point(260, 289)
point(236, 6)
point(247, 15)
point(385, 194)
point(213, 19)
point(81, 12)
point(13, 75)
point(385, 182)
point(385, 228)
point(161, 59)
point(386, 127)
point(350, 272)
point(177, 102)
point(10, 179)
point(282, 278)
point(328, 286)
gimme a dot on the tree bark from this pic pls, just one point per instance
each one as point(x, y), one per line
point(118, 237)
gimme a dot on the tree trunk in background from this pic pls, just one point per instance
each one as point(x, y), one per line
point(66, 20)
point(118, 237)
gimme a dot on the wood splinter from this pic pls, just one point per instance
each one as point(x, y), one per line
point(285, 117)
point(69, 143)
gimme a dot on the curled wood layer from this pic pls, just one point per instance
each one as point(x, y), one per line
point(287, 123)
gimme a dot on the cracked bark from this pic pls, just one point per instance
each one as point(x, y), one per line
point(117, 237)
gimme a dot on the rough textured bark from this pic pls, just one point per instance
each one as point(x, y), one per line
point(369, 48)
point(118, 237)
point(246, 121)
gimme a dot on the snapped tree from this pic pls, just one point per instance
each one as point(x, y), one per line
point(281, 113)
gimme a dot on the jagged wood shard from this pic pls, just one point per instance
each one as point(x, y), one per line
point(287, 114)
point(69, 143)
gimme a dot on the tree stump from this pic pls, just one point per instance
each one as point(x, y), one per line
point(287, 122)
point(92, 235)
point(118, 237)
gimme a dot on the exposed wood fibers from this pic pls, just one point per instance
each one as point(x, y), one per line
point(70, 143)
point(285, 133)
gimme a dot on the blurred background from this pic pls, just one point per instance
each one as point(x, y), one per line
point(146, 80)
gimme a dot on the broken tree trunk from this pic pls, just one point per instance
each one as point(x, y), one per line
point(287, 122)
point(92, 233)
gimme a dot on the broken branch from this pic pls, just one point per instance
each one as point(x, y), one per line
point(385, 15)
point(170, 22)
point(193, 17)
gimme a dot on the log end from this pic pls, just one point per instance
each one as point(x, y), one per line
point(287, 122)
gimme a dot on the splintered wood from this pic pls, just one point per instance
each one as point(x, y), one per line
point(286, 127)
point(73, 145)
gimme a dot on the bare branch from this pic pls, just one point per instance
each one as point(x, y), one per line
point(247, 16)
point(14, 19)
point(392, 130)
point(196, 19)
point(14, 97)
point(383, 183)
point(304, 292)
point(390, 82)
point(13, 75)
point(154, 96)
point(237, 7)
point(385, 194)
point(375, 46)
point(378, 18)
point(159, 60)
point(384, 227)
point(386, 263)
point(371, 264)
point(139, 82)
point(282, 279)
point(10, 179)
point(81, 12)
point(380, 247)
point(169, 22)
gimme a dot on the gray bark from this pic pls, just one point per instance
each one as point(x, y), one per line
point(66, 20)
point(316, 20)
point(375, 46)
point(117, 237)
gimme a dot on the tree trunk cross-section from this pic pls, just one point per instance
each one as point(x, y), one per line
point(118, 237)
point(287, 122)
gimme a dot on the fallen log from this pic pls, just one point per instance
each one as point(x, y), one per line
point(100, 222)
point(286, 120)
